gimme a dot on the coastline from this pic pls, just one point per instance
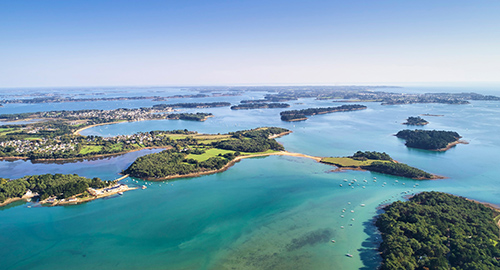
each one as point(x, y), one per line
point(231, 163)
point(89, 157)
point(450, 145)
point(77, 132)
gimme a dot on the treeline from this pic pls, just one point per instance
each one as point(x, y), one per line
point(192, 105)
point(415, 121)
point(295, 115)
point(169, 162)
point(360, 155)
point(397, 169)
point(435, 230)
point(428, 139)
point(255, 140)
point(47, 185)
point(249, 106)
point(189, 116)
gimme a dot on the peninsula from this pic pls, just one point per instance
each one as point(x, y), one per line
point(58, 189)
point(259, 105)
point(378, 162)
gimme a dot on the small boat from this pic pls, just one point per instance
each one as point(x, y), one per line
point(362, 204)
point(352, 211)
point(349, 255)
point(120, 193)
point(341, 216)
point(333, 241)
point(340, 184)
point(144, 187)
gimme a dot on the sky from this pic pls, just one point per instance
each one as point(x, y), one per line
point(187, 42)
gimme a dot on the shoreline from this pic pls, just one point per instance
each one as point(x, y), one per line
point(450, 145)
point(85, 158)
point(77, 132)
point(229, 164)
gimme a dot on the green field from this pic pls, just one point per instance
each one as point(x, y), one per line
point(5, 131)
point(213, 152)
point(90, 149)
point(349, 162)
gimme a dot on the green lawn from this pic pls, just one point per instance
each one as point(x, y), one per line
point(90, 149)
point(5, 131)
point(349, 162)
point(213, 152)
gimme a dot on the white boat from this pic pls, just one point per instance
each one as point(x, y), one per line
point(333, 241)
point(348, 255)
point(362, 204)
point(120, 193)
point(144, 187)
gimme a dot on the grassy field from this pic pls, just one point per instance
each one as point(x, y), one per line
point(349, 162)
point(90, 149)
point(209, 153)
point(5, 131)
point(212, 152)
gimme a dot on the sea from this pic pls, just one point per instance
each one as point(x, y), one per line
point(276, 212)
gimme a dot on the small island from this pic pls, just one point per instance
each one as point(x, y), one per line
point(57, 189)
point(435, 230)
point(301, 115)
point(257, 105)
point(436, 140)
point(378, 162)
point(415, 121)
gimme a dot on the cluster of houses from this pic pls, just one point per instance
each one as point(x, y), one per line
point(110, 115)
point(42, 145)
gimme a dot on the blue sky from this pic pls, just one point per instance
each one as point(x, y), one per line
point(101, 43)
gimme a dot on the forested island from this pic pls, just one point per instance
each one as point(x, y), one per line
point(429, 139)
point(435, 230)
point(378, 162)
point(259, 105)
point(206, 154)
point(415, 121)
point(59, 186)
point(193, 105)
point(300, 115)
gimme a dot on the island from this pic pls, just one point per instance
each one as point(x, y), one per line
point(435, 230)
point(57, 189)
point(378, 162)
point(206, 154)
point(258, 105)
point(415, 121)
point(436, 140)
point(301, 115)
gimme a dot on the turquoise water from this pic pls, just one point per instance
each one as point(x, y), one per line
point(262, 213)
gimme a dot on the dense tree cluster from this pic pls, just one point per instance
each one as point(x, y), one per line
point(435, 230)
point(301, 114)
point(360, 155)
point(60, 185)
point(428, 139)
point(397, 169)
point(255, 140)
point(416, 121)
point(257, 105)
point(170, 162)
point(189, 116)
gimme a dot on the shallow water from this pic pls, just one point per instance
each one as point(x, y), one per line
point(276, 212)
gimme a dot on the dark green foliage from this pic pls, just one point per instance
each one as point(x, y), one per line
point(169, 162)
point(249, 106)
point(189, 116)
point(435, 230)
point(60, 185)
point(428, 139)
point(416, 121)
point(250, 145)
point(299, 114)
point(255, 140)
point(397, 169)
point(371, 155)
